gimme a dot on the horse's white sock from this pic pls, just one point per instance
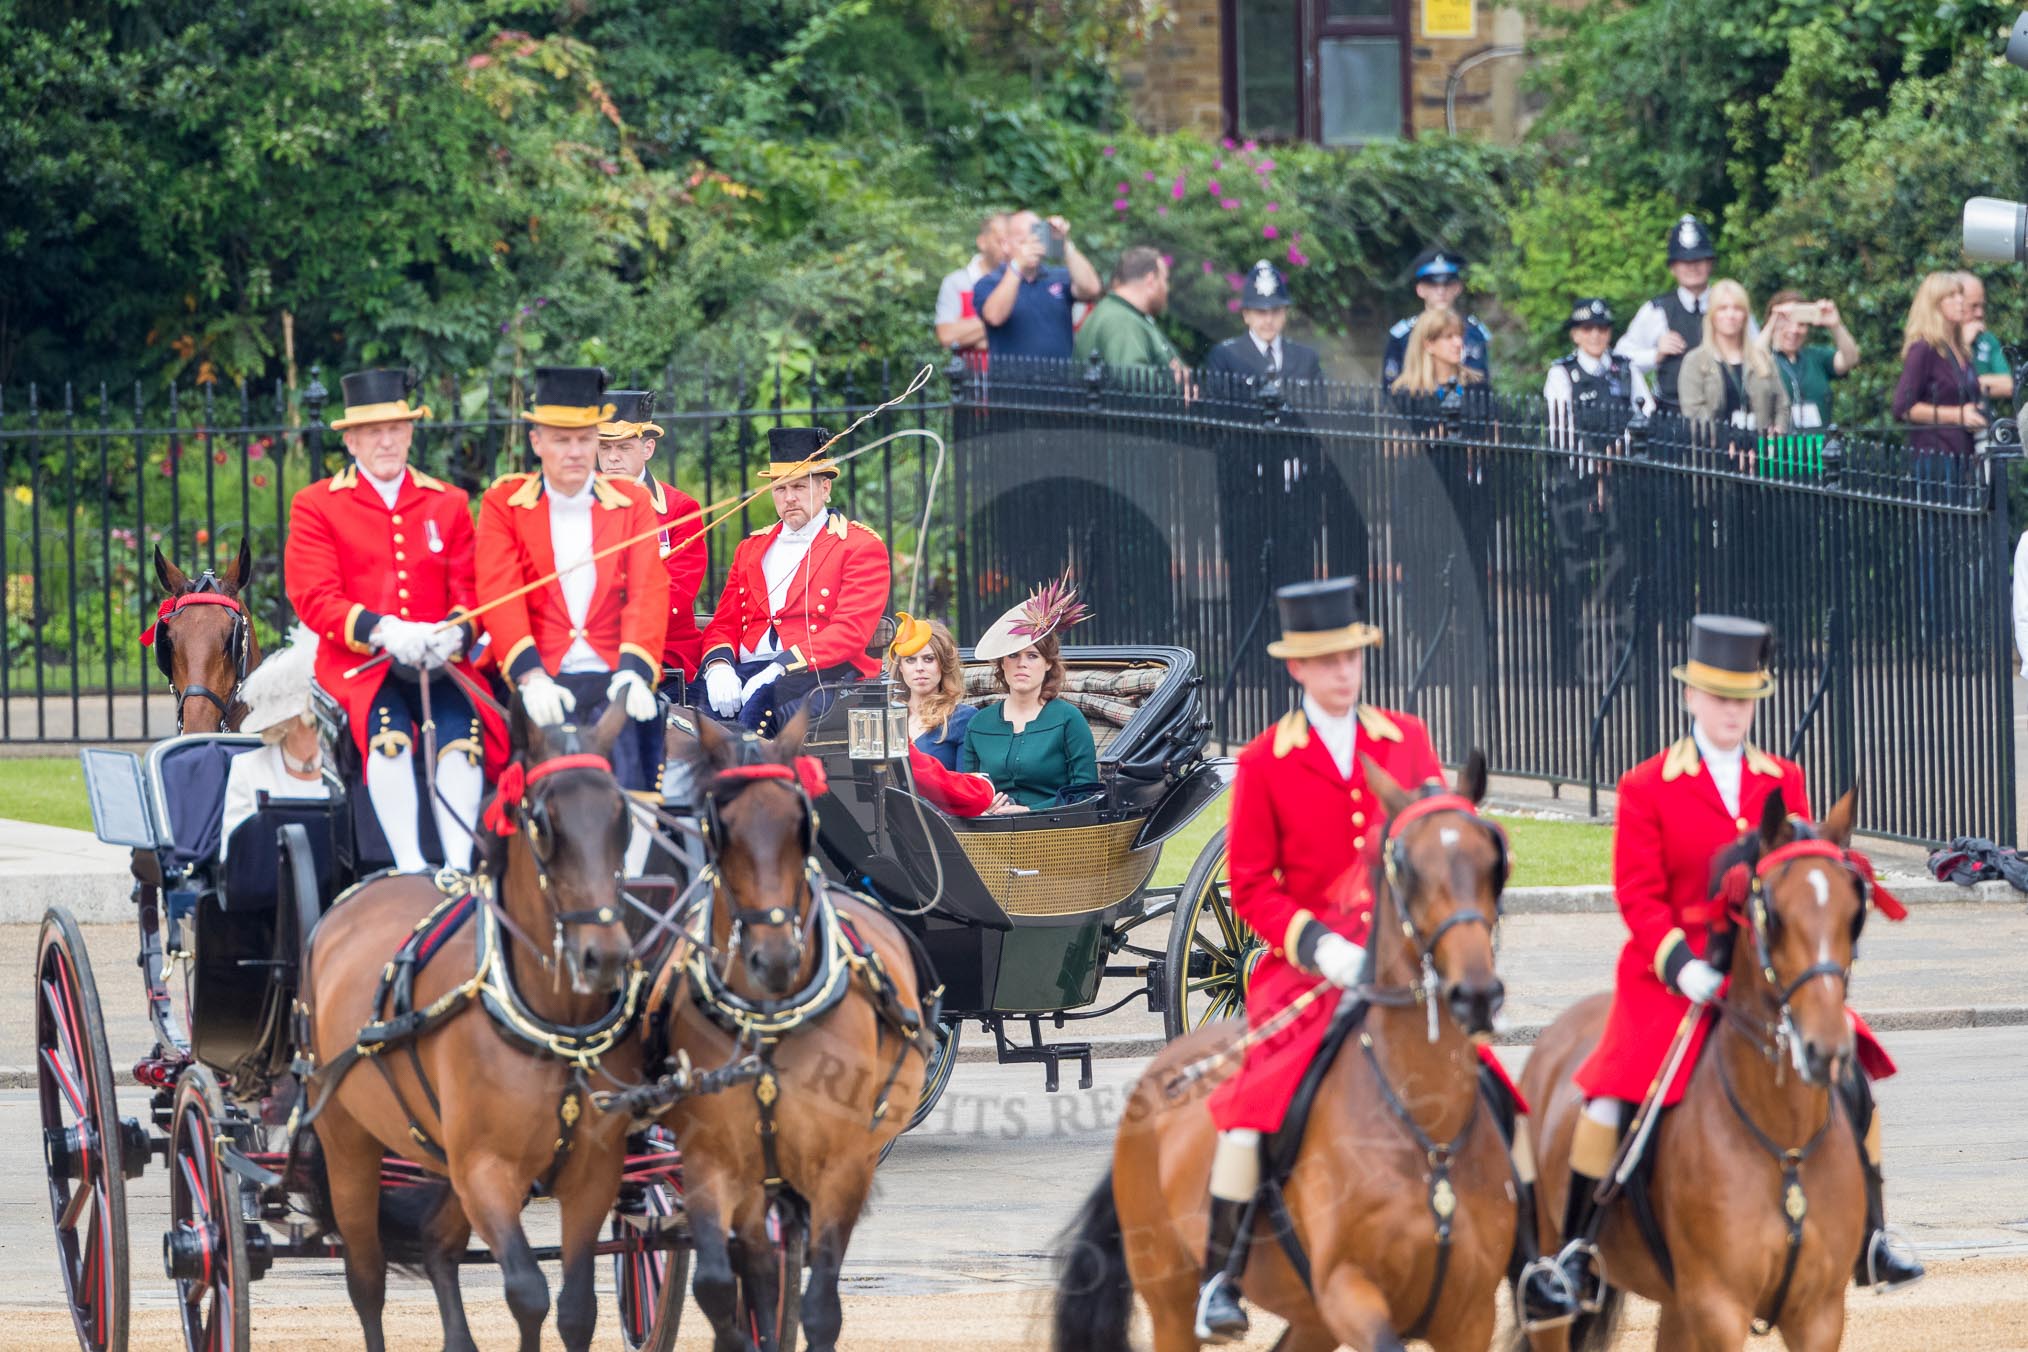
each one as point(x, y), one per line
point(390, 786)
point(461, 785)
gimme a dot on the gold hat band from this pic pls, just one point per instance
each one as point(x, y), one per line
point(570, 415)
point(1325, 642)
point(796, 469)
point(394, 410)
point(1725, 684)
point(620, 431)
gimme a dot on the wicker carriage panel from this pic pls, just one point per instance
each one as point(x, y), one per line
point(1077, 868)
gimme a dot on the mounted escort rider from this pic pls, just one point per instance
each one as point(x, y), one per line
point(593, 632)
point(801, 600)
point(377, 556)
point(1677, 812)
point(626, 450)
point(1304, 840)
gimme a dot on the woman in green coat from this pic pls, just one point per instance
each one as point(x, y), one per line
point(1035, 747)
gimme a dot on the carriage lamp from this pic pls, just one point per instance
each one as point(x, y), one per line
point(877, 727)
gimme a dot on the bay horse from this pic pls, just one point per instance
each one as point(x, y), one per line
point(825, 988)
point(1394, 1154)
point(521, 990)
point(1756, 1187)
point(204, 641)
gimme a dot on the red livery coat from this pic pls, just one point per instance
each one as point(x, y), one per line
point(1671, 825)
point(351, 559)
point(627, 623)
point(829, 611)
point(681, 519)
point(1302, 844)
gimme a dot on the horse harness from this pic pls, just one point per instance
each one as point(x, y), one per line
point(842, 953)
point(206, 591)
point(1442, 1197)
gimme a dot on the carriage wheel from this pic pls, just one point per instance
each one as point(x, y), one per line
point(85, 1144)
point(1210, 951)
point(649, 1283)
point(936, 1075)
point(204, 1250)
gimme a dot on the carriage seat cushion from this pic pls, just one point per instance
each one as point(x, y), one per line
point(193, 789)
point(1108, 696)
point(253, 865)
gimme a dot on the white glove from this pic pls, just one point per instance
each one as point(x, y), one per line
point(765, 676)
point(406, 641)
point(544, 699)
point(1339, 959)
point(1700, 981)
point(628, 686)
point(721, 689)
point(446, 644)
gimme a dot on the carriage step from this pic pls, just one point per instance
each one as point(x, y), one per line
point(1050, 1055)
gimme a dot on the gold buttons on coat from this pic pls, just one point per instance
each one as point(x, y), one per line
point(1741, 823)
point(397, 537)
point(1358, 842)
point(1359, 819)
point(403, 593)
point(397, 518)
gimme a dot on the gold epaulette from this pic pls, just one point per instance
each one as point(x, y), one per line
point(424, 481)
point(862, 526)
point(1681, 760)
point(528, 494)
point(838, 525)
point(345, 478)
point(609, 494)
point(1291, 733)
point(1761, 763)
point(1377, 725)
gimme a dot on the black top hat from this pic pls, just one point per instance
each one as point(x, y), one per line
point(1729, 657)
point(1689, 241)
point(1321, 618)
point(633, 414)
point(570, 396)
point(1266, 288)
point(790, 452)
point(379, 395)
point(1590, 310)
point(1437, 263)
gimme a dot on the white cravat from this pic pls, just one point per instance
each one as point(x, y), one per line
point(1338, 734)
point(389, 489)
point(1271, 350)
point(570, 539)
point(779, 565)
point(1725, 767)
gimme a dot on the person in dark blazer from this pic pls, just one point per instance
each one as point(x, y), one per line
point(1262, 353)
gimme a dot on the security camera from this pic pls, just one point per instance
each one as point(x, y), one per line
point(1996, 230)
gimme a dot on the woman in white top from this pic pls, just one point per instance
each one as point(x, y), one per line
point(289, 763)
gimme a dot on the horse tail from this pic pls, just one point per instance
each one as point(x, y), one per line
point(1094, 1294)
point(406, 1213)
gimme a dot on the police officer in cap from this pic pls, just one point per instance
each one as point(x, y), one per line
point(1440, 280)
point(1672, 323)
point(1261, 353)
point(1588, 383)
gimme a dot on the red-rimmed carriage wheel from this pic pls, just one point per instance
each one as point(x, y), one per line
point(205, 1248)
point(649, 1283)
point(83, 1145)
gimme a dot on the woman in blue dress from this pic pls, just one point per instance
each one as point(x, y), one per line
point(924, 659)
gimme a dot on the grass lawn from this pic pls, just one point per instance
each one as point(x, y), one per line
point(1546, 853)
point(45, 790)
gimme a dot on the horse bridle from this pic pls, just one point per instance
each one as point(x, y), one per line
point(1396, 867)
point(727, 785)
point(518, 787)
point(207, 590)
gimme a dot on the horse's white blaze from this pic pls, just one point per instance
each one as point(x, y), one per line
point(1449, 836)
point(1821, 885)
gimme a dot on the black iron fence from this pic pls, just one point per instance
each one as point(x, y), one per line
point(93, 482)
point(1534, 572)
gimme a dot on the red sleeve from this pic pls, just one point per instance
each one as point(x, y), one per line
point(1419, 756)
point(644, 616)
point(314, 575)
point(1795, 792)
point(1640, 881)
point(497, 571)
point(960, 795)
point(858, 606)
point(1251, 844)
point(463, 564)
point(686, 565)
point(722, 635)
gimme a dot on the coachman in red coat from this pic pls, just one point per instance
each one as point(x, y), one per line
point(802, 599)
point(626, 450)
point(1677, 812)
point(377, 555)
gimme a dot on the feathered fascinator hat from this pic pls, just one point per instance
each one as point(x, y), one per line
point(279, 688)
point(1054, 606)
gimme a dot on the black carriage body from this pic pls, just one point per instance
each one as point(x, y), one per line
point(1021, 913)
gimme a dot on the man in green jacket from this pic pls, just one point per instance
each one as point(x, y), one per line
point(1121, 327)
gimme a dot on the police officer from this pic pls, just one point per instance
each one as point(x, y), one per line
point(626, 450)
point(1261, 353)
point(1590, 386)
point(1440, 281)
point(1672, 323)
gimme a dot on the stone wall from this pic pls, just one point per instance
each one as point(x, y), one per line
point(1179, 84)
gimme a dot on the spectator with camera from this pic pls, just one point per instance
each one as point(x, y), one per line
point(1728, 379)
point(958, 326)
point(1026, 301)
point(1806, 369)
point(1938, 394)
point(1989, 354)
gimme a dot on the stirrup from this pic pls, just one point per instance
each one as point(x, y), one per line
point(1215, 1286)
point(1548, 1269)
point(1897, 1248)
point(1593, 1300)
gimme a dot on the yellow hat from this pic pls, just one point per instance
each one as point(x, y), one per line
point(911, 635)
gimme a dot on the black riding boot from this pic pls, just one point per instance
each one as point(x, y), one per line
point(1579, 1260)
point(1885, 1263)
point(1220, 1317)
